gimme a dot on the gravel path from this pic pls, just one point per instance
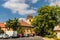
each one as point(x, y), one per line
point(25, 38)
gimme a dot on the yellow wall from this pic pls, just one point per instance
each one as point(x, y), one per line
point(26, 30)
point(29, 21)
point(4, 29)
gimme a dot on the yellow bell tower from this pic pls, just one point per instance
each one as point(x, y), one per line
point(29, 18)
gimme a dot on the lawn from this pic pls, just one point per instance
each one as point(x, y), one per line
point(48, 39)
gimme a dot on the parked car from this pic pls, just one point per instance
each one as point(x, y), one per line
point(21, 35)
point(12, 34)
point(26, 35)
point(4, 36)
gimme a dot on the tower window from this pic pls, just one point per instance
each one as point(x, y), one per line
point(30, 20)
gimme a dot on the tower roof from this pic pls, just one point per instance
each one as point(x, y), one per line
point(29, 16)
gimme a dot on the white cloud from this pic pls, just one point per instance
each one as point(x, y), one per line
point(27, 11)
point(34, 1)
point(34, 8)
point(19, 6)
point(24, 19)
point(54, 2)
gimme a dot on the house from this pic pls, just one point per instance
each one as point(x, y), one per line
point(57, 30)
point(26, 26)
point(2, 26)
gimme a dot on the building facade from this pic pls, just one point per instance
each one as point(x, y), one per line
point(26, 26)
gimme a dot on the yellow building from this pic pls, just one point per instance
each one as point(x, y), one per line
point(57, 30)
point(26, 28)
point(29, 19)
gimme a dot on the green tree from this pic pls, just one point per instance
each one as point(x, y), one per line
point(46, 19)
point(14, 24)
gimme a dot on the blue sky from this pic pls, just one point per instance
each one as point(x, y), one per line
point(10, 9)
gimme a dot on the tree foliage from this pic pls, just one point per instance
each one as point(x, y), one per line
point(14, 24)
point(46, 19)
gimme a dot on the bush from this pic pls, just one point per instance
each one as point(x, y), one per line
point(57, 39)
point(51, 36)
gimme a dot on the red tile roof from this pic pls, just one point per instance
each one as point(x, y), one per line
point(2, 25)
point(29, 16)
point(25, 24)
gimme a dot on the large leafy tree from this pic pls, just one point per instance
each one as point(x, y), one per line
point(46, 19)
point(14, 24)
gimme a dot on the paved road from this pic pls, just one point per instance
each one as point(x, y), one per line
point(25, 38)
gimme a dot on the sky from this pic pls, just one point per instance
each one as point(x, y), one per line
point(10, 9)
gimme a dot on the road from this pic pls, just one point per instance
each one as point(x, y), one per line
point(25, 38)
